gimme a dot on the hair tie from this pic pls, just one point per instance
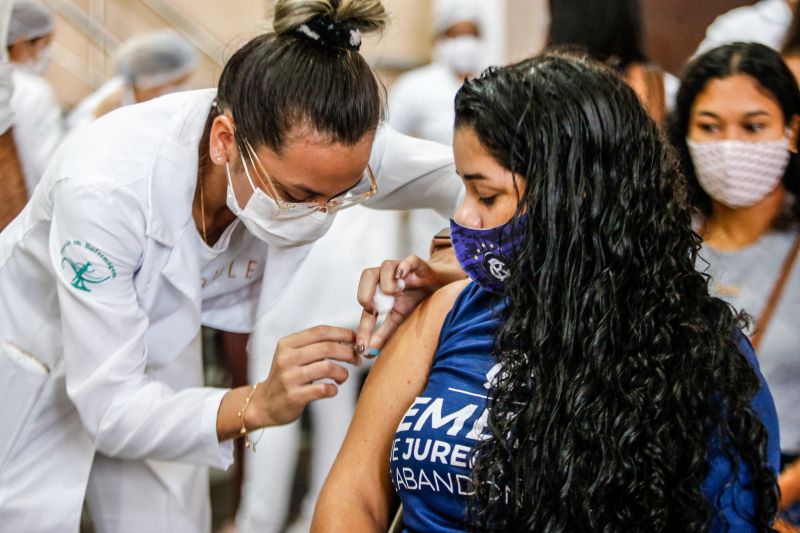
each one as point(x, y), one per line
point(328, 31)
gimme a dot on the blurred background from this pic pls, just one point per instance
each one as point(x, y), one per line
point(89, 31)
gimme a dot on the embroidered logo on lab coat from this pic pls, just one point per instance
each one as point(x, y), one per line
point(86, 273)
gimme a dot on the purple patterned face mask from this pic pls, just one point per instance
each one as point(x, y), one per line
point(486, 254)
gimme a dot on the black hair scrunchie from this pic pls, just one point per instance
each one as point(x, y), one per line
point(330, 32)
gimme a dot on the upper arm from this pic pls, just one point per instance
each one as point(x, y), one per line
point(358, 493)
point(727, 486)
point(96, 243)
point(97, 239)
point(763, 404)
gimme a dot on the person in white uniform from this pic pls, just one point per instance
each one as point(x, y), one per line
point(765, 22)
point(421, 100)
point(38, 124)
point(194, 208)
point(146, 66)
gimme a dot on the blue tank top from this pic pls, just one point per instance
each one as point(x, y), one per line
point(431, 449)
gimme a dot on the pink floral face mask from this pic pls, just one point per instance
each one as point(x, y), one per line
point(739, 173)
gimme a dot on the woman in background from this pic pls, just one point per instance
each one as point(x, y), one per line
point(611, 32)
point(736, 126)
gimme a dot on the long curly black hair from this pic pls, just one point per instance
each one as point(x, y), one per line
point(618, 366)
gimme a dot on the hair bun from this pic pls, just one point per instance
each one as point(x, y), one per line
point(338, 23)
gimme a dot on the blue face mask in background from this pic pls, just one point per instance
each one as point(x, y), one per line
point(486, 254)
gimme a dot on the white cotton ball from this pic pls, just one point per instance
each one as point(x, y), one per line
point(383, 302)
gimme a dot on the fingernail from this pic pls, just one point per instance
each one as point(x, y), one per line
point(359, 349)
point(372, 352)
point(399, 274)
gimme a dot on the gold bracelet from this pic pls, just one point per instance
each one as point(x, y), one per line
point(243, 432)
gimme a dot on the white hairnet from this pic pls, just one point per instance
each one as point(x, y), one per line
point(448, 13)
point(29, 20)
point(156, 58)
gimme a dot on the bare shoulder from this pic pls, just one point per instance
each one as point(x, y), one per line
point(407, 357)
point(425, 323)
point(446, 296)
point(440, 303)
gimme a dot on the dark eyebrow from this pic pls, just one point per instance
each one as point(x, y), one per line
point(756, 114)
point(474, 177)
point(751, 114)
point(312, 193)
point(285, 186)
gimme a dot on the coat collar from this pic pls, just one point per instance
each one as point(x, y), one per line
point(172, 178)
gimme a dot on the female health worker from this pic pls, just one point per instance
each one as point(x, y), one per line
point(195, 208)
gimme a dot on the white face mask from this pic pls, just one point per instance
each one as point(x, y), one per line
point(40, 65)
point(283, 228)
point(739, 173)
point(463, 54)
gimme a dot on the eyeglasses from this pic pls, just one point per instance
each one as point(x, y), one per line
point(364, 189)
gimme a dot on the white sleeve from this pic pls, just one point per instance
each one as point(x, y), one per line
point(414, 174)
point(97, 240)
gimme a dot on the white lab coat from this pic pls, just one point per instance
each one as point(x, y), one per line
point(38, 125)
point(100, 281)
point(764, 22)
